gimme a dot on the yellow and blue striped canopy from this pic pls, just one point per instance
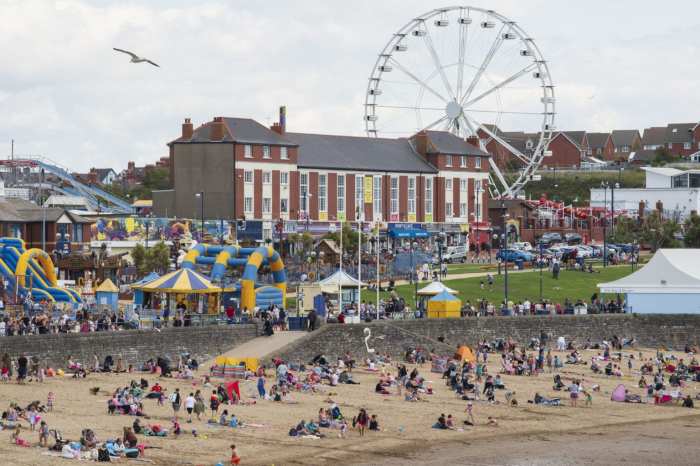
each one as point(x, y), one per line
point(180, 281)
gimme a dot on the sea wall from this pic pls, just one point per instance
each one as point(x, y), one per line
point(444, 335)
point(134, 346)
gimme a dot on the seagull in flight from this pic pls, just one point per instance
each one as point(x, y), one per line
point(135, 58)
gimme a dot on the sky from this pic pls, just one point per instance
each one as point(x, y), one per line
point(67, 96)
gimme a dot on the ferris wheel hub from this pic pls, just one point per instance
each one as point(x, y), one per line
point(453, 110)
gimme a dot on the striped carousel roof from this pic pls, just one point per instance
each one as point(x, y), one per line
point(180, 281)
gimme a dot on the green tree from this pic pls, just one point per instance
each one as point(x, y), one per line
point(662, 156)
point(691, 229)
point(349, 238)
point(626, 230)
point(158, 258)
point(138, 255)
point(659, 233)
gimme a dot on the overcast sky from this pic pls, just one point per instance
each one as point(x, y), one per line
point(66, 95)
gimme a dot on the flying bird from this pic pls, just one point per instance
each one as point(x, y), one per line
point(135, 58)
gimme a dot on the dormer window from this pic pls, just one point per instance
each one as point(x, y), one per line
point(448, 160)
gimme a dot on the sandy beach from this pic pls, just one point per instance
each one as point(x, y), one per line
point(605, 433)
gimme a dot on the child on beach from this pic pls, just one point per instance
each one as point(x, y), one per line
point(235, 459)
point(470, 414)
point(50, 399)
point(214, 404)
point(43, 434)
point(33, 417)
point(17, 440)
point(589, 398)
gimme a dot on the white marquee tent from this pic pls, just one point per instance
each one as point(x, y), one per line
point(435, 288)
point(668, 284)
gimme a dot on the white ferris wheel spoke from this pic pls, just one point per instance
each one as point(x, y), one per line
point(503, 112)
point(485, 64)
point(500, 140)
point(463, 35)
point(436, 61)
point(435, 123)
point(422, 83)
point(408, 107)
point(505, 82)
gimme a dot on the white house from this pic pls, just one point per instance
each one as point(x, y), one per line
point(677, 190)
point(668, 284)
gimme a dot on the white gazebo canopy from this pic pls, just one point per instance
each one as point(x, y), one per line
point(339, 280)
point(435, 288)
point(669, 271)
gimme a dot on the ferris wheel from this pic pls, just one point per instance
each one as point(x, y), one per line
point(472, 72)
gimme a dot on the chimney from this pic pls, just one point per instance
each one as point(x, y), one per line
point(187, 129)
point(473, 140)
point(277, 128)
point(217, 129)
point(421, 142)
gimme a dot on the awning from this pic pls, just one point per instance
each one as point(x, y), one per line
point(181, 281)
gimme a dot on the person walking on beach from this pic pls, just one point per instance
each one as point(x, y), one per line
point(176, 401)
point(574, 392)
point(189, 406)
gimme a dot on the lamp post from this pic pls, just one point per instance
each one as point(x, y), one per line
point(200, 195)
point(43, 212)
point(604, 185)
point(540, 264)
point(478, 211)
point(440, 241)
point(414, 275)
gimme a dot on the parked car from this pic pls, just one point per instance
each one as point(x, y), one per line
point(512, 255)
point(573, 238)
point(522, 246)
point(550, 238)
point(455, 254)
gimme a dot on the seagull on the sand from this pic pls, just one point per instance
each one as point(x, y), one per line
point(135, 58)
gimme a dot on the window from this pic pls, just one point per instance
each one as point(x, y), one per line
point(267, 177)
point(283, 153)
point(267, 205)
point(670, 145)
point(284, 205)
point(341, 193)
point(599, 151)
point(448, 209)
point(248, 176)
point(448, 160)
point(411, 195)
point(448, 184)
point(462, 184)
point(266, 152)
point(284, 178)
point(463, 161)
point(625, 149)
point(428, 195)
point(304, 191)
point(322, 191)
point(248, 205)
point(248, 151)
point(394, 195)
point(377, 194)
point(462, 209)
point(686, 145)
point(77, 233)
point(359, 193)
point(477, 162)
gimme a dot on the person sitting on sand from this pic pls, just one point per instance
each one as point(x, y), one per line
point(688, 402)
point(441, 422)
point(374, 423)
point(129, 438)
point(491, 422)
point(17, 440)
point(539, 399)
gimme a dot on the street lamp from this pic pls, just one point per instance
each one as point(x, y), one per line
point(478, 211)
point(440, 241)
point(414, 275)
point(604, 186)
point(200, 195)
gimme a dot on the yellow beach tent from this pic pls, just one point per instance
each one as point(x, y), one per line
point(444, 305)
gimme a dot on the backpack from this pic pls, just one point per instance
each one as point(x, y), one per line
point(103, 455)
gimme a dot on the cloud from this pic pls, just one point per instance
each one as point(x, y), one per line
point(66, 95)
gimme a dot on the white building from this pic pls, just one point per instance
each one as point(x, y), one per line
point(668, 284)
point(677, 190)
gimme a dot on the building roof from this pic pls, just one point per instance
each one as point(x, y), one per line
point(656, 136)
point(61, 200)
point(597, 140)
point(21, 211)
point(666, 171)
point(358, 153)
point(576, 136)
point(669, 271)
point(442, 142)
point(643, 155)
point(624, 137)
point(241, 130)
point(680, 132)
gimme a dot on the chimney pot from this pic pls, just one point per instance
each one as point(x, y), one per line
point(187, 129)
point(217, 129)
point(473, 140)
point(277, 128)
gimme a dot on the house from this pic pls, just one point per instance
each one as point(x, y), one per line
point(654, 138)
point(601, 146)
point(679, 139)
point(625, 141)
point(67, 202)
point(567, 149)
point(102, 176)
point(503, 155)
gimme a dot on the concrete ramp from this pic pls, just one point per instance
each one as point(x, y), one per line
point(260, 347)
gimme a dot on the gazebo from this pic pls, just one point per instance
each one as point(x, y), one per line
point(107, 295)
point(185, 285)
point(341, 282)
point(444, 305)
point(139, 298)
point(433, 289)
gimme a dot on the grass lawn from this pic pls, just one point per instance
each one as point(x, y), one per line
point(521, 286)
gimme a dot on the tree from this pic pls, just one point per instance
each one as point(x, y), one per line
point(662, 156)
point(138, 255)
point(626, 230)
point(349, 238)
point(659, 233)
point(158, 258)
point(691, 229)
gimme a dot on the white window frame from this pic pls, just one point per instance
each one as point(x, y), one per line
point(266, 152)
point(448, 209)
point(284, 178)
point(248, 176)
point(284, 155)
point(463, 184)
point(463, 161)
point(462, 209)
point(248, 204)
point(340, 193)
point(359, 195)
point(477, 162)
point(411, 195)
point(687, 145)
point(448, 184)
point(304, 191)
point(247, 151)
point(267, 205)
point(284, 205)
point(429, 196)
point(322, 192)
point(448, 160)
point(394, 185)
point(267, 177)
point(377, 196)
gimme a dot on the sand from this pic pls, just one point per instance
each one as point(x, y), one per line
point(605, 433)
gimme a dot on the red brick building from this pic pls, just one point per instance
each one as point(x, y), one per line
point(601, 146)
point(567, 150)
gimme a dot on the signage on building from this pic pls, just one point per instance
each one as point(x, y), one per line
point(368, 189)
point(411, 217)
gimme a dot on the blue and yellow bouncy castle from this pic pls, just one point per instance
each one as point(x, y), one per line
point(252, 293)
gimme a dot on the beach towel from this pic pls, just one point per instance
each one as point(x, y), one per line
point(618, 394)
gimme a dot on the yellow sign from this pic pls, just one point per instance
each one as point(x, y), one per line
point(341, 216)
point(323, 215)
point(464, 227)
point(368, 189)
point(428, 218)
point(411, 217)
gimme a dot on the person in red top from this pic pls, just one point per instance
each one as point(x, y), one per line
point(156, 388)
point(230, 313)
point(235, 459)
